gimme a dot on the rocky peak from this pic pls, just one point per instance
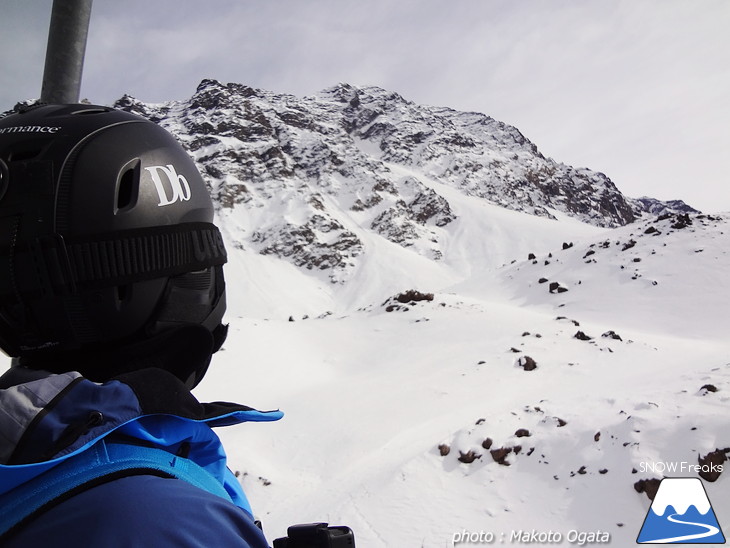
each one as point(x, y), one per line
point(308, 179)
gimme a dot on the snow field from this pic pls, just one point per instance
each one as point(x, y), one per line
point(370, 396)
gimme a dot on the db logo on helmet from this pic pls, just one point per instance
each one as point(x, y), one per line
point(176, 189)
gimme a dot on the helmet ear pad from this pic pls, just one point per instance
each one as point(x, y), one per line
point(185, 332)
point(194, 297)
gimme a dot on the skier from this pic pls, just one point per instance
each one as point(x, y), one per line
point(111, 304)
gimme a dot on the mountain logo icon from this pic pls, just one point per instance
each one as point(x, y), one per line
point(681, 513)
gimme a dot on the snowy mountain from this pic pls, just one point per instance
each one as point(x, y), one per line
point(314, 179)
point(465, 336)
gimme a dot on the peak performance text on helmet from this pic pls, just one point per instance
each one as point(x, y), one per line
point(30, 129)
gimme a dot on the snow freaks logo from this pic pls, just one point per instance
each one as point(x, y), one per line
point(177, 188)
point(681, 513)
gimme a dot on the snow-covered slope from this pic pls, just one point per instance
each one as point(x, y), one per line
point(631, 370)
point(416, 287)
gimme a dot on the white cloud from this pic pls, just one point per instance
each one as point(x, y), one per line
point(634, 88)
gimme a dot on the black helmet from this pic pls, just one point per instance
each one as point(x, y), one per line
point(106, 234)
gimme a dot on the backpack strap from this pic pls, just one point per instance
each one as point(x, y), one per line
point(101, 463)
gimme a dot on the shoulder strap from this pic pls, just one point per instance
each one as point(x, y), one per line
point(102, 462)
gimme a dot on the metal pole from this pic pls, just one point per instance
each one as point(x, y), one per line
point(65, 51)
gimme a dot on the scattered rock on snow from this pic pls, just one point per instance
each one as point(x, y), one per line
point(712, 464)
point(500, 455)
point(628, 245)
point(557, 287)
point(527, 363)
point(648, 486)
point(413, 296)
point(683, 221)
point(574, 322)
point(468, 457)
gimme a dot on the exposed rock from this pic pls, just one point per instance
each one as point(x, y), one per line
point(556, 287)
point(683, 221)
point(527, 363)
point(648, 486)
point(628, 245)
point(413, 296)
point(712, 464)
point(468, 457)
point(500, 455)
point(574, 322)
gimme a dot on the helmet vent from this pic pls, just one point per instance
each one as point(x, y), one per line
point(23, 155)
point(90, 111)
point(128, 187)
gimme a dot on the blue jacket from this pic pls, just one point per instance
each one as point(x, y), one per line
point(48, 422)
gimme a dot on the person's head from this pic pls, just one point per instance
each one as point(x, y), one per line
point(109, 260)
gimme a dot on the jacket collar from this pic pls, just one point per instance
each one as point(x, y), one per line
point(56, 415)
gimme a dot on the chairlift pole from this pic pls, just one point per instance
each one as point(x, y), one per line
point(65, 51)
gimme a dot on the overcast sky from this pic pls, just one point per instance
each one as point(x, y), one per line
point(636, 89)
